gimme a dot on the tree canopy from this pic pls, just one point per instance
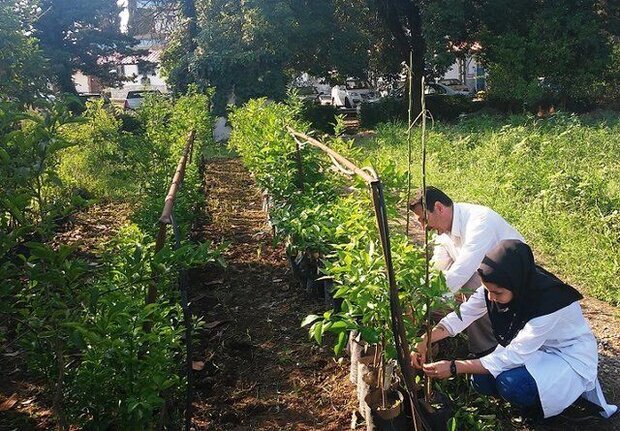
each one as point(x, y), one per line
point(81, 35)
point(556, 52)
point(22, 68)
point(256, 47)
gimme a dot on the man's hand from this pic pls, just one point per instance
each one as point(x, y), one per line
point(437, 370)
point(418, 357)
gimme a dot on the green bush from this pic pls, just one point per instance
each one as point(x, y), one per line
point(104, 161)
point(85, 332)
point(390, 109)
point(321, 117)
point(331, 217)
point(82, 327)
point(31, 144)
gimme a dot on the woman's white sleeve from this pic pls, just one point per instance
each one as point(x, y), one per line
point(527, 342)
point(471, 310)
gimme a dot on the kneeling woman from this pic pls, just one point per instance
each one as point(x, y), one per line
point(547, 355)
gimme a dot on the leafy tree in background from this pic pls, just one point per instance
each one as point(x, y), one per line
point(435, 33)
point(609, 12)
point(22, 67)
point(81, 35)
point(178, 60)
point(254, 48)
point(554, 53)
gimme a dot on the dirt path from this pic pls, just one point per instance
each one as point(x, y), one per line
point(261, 371)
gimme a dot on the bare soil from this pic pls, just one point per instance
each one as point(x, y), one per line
point(261, 372)
point(88, 229)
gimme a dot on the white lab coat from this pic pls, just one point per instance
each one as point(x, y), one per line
point(558, 350)
point(476, 229)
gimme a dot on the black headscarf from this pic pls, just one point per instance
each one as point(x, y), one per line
point(536, 291)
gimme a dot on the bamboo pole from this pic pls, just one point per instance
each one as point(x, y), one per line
point(166, 215)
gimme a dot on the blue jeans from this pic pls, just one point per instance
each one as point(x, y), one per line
point(517, 386)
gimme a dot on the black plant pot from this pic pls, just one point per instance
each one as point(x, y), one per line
point(437, 412)
point(292, 261)
point(305, 269)
point(314, 288)
point(393, 418)
point(399, 423)
point(328, 294)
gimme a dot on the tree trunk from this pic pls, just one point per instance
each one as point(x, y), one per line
point(188, 10)
point(64, 80)
point(404, 21)
point(132, 9)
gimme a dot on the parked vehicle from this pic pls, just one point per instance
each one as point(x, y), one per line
point(443, 90)
point(135, 98)
point(325, 99)
point(352, 93)
point(456, 85)
point(90, 97)
point(307, 93)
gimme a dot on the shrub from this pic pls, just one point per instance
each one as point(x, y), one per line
point(333, 218)
point(82, 326)
point(321, 117)
point(391, 109)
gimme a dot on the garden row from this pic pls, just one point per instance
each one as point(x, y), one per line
point(107, 360)
point(328, 224)
point(557, 180)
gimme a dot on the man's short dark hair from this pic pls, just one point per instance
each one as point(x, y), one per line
point(433, 195)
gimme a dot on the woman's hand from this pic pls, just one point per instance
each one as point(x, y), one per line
point(418, 356)
point(437, 370)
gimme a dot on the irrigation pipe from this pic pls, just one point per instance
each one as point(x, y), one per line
point(398, 327)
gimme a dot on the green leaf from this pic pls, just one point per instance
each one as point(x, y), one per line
point(318, 332)
point(4, 156)
point(338, 327)
point(309, 319)
point(340, 345)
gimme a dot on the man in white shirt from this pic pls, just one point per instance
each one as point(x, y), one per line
point(466, 232)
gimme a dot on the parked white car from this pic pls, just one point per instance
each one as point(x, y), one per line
point(307, 93)
point(456, 86)
point(353, 93)
point(325, 99)
point(135, 98)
